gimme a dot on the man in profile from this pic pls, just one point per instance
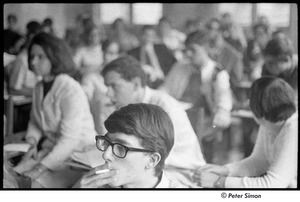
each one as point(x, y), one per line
point(138, 141)
point(126, 82)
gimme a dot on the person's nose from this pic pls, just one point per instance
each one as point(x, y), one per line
point(189, 54)
point(108, 154)
point(34, 61)
point(110, 92)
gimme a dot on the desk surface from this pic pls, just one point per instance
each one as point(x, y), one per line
point(18, 99)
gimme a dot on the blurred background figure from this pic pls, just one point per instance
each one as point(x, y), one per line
point(226, 55)
point(172, 38)
point(120, 33)
point(89, 61)
point(47, 26)
point(203, 84)
point(279, 61)
point(155, 58)
point(253, 56)
point(12, 35)
point(73, 39)
point(111, 51)
point(233, 33)
point(21, 79)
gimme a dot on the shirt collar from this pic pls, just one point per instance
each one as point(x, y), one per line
point(147, 95)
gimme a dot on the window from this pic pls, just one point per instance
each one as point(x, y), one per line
point(146, 13)
point(240, 12)
point(109, 12)
point(278, 14)
point(142, 13)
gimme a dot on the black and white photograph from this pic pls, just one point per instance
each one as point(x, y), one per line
point(201, 97)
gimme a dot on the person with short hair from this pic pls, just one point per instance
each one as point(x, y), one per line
point(111, 51)
point(273, 162)
point(61, 121)
point(253, 55)
point(280, 61)
point(120, 33)
point(203, 83)
point(225, 54)
point(139, 139)
point(126, 83)
point(21, 79)
point(47, 26)
point(171, 37)
point(12, 35)
point(156, 58)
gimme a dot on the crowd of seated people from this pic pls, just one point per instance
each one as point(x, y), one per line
point(157, 103)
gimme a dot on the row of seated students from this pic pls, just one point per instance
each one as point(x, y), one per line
point(63, 122)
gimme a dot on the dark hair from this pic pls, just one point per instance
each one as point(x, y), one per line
point(211, 21)
point(164, 19)
point(12, 17)
point(279, 47)
point(33, 27)
point(48, 22)
point(149, 123)
point(107, 43)
point(128, 67)
point(57, 52)
point(146, 27)
point(88, 31)
point(272, 98)
point(199, 37)
point(118, 20)
point(264, 26)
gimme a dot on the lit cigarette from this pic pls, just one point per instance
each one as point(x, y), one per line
point(101, 171)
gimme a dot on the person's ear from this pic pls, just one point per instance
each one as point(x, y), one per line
point(153, 160)
point(137, 83)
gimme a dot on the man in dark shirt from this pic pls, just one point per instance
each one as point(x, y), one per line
point(158, 56)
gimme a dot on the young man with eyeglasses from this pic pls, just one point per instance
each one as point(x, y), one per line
point(126, 83)
point(139, 139)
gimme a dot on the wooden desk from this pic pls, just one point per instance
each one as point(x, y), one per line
point(10, 102)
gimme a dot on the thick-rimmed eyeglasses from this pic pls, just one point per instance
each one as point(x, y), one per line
point(119, 150)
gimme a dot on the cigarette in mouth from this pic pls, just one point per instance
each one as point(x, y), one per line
point(101, 171)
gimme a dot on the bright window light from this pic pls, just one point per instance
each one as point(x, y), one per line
point(278, 14)
point(240, 12)
point(147, 13)
point(111, 11)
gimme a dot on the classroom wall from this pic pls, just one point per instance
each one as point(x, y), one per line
point(38, 12)
point(64, 15)
point(179, 13)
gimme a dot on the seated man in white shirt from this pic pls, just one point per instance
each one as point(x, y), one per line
point(139, 139)
point(126, 82)
point(205, 84)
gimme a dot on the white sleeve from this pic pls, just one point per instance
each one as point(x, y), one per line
point(223, 91)
point(264, 174)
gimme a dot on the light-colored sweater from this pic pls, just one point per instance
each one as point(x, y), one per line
point(186, 154)
point(273, 162)
point(64, 117)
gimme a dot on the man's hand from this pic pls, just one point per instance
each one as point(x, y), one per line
point(205, 179)
point(222, 119)
point(93, 180)
point(36, 172)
